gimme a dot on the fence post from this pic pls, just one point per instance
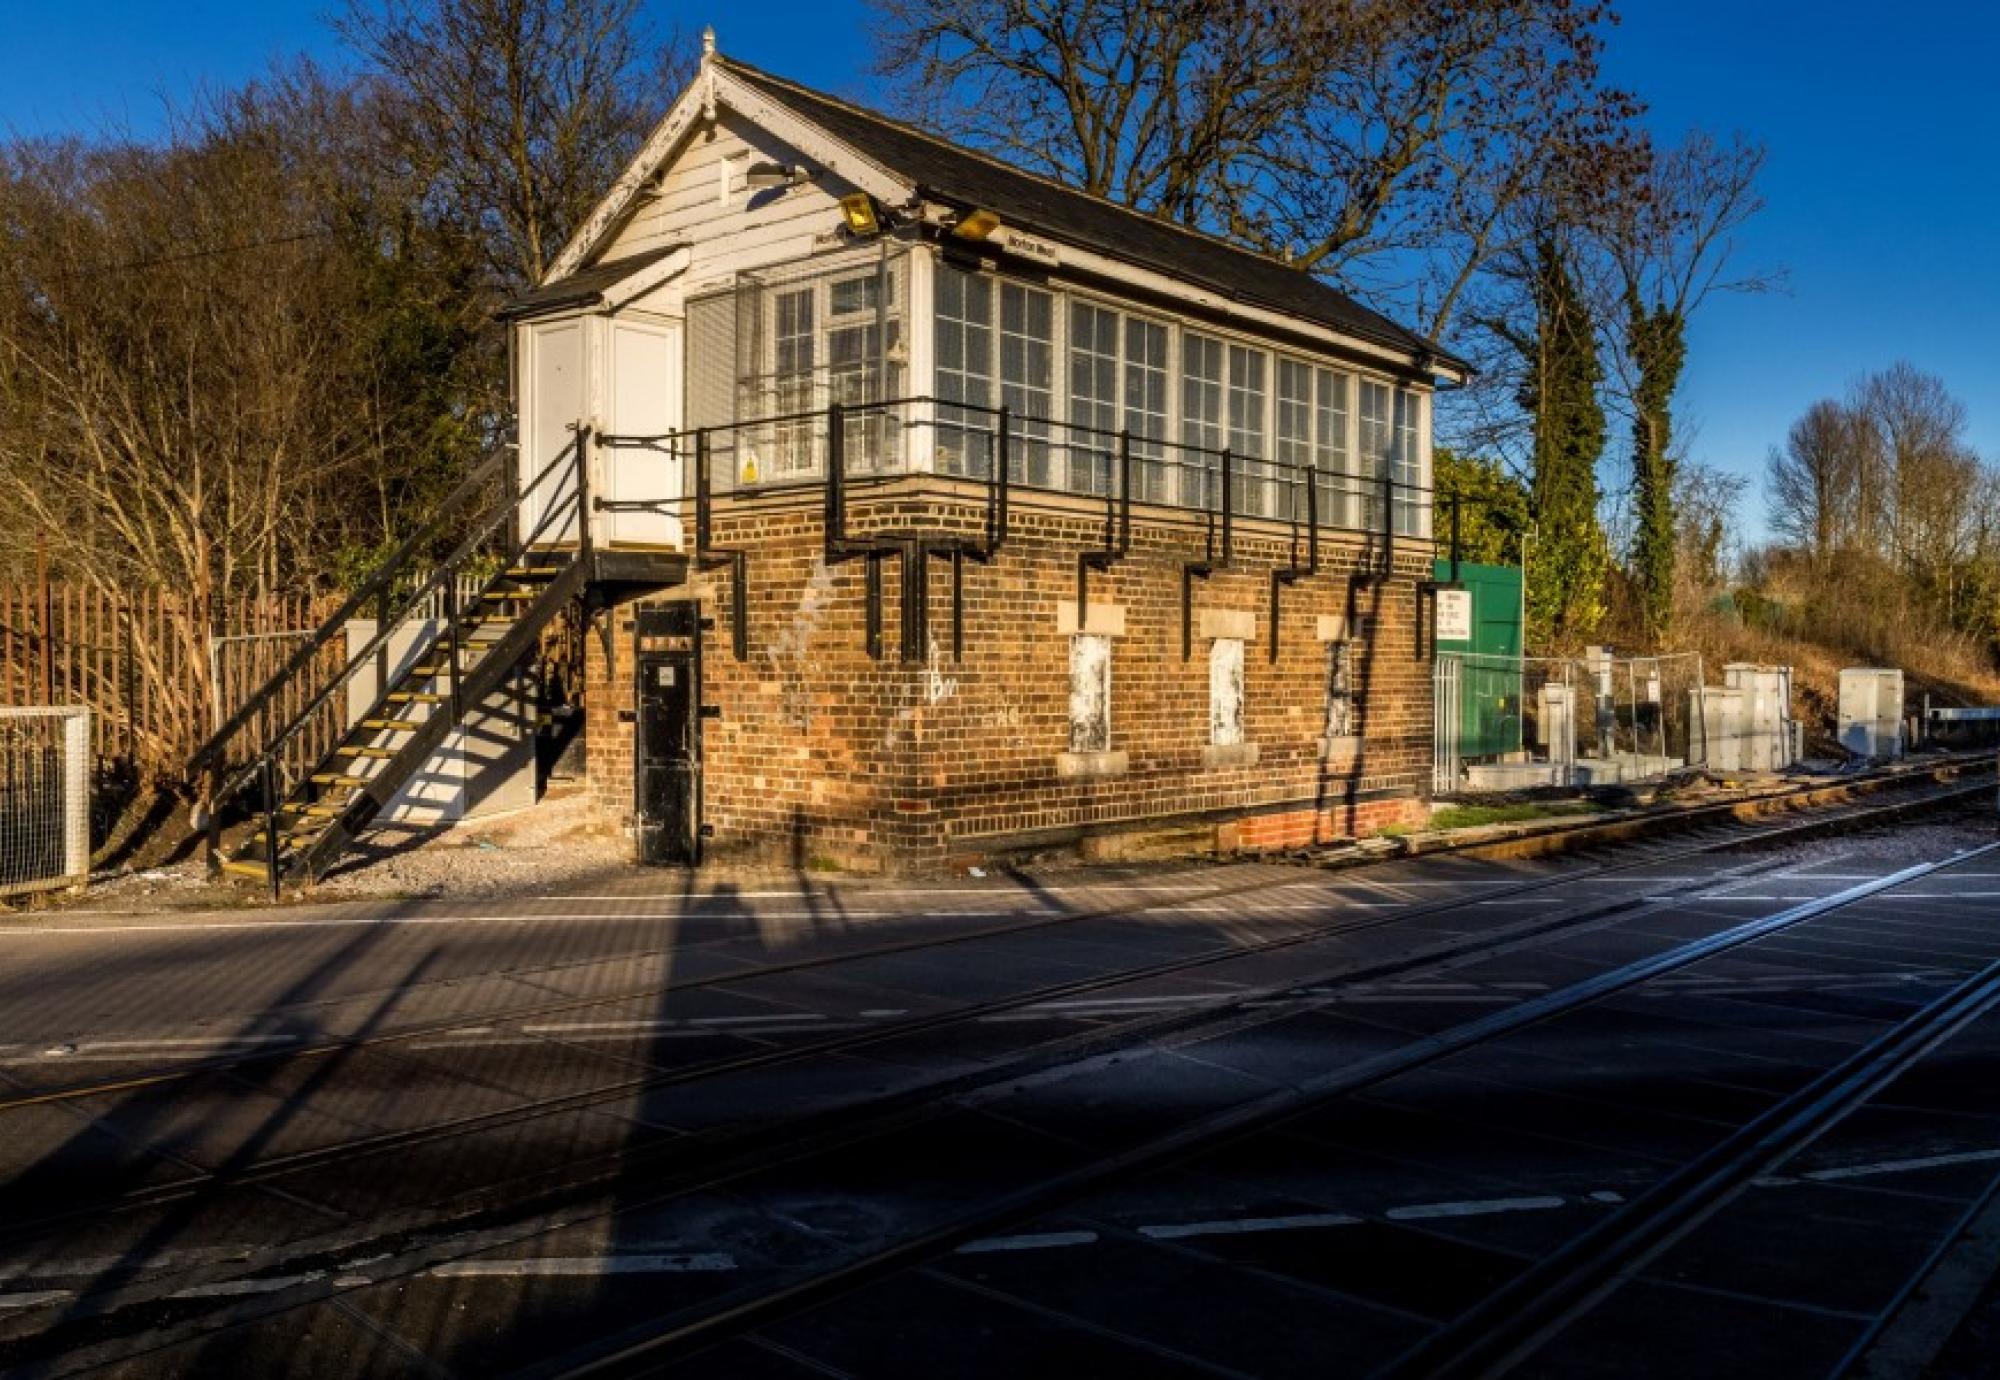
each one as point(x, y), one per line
point(269, 774)
point(45, 616)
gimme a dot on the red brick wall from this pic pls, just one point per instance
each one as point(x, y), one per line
point(821, 753)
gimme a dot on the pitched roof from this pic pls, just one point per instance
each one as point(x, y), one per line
point(584, 288)
point(962, 177)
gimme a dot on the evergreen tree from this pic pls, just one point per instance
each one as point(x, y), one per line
point(1570, 558)
point(1656, 340)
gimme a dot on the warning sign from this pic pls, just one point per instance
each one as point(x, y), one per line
point(1454, 615)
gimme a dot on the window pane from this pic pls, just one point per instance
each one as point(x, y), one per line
point(793, 344)
point(1093, 397)
point(1201, 415)
point(964, 345)
point(1407, 465)
point(1246, 430)
point(1295, 434)
point(1146, 408)
point(1340, 496)
point(1026, 384)
point(1378, 439)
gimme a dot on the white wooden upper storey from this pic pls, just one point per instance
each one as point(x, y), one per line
point(737, 198)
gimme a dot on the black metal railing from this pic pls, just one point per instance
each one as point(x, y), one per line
point(405, 587)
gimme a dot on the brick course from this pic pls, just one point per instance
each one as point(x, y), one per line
point(822, 753)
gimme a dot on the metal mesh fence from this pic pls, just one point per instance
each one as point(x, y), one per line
point(44, 799)
point(1517, 723)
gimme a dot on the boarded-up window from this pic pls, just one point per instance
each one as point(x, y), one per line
point(1089, 693)
point(1225, 692)
point(1343, 718)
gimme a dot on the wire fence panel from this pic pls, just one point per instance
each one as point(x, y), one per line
point(44, 799)
point(1507, 723)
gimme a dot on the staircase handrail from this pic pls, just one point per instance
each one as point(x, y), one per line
point(381, 580)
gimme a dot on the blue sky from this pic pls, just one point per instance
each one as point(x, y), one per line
point(1880, 182)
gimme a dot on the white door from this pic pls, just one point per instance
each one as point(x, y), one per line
point(551, 406)
point(645, 401)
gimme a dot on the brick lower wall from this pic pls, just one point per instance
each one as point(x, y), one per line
point(822, 754)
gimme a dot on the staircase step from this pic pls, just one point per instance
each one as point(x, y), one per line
point(247, 867)
point(532, 572)
point(325, 811)
point(512, 595)
point(334, 778)
point(415, 697)
point(392, 725)
point(378, 753)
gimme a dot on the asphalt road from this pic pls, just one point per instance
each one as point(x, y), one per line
point(1249, 1120)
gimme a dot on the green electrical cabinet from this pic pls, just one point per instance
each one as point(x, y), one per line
point(1489, 690)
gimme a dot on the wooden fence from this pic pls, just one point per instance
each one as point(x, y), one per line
point(156, 681)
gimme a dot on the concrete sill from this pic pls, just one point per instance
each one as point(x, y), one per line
point(1217, 756)
point(1343, 747)
point(1072, 766)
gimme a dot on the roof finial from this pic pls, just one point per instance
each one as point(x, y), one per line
point(708, 41)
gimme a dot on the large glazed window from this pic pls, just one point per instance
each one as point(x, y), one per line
point(1146, 407)
point(1027, 387)
point(964, 348)
point(1093, 397)
point(1201, 414)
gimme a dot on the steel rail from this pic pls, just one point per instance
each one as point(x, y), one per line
point(1510, 1325)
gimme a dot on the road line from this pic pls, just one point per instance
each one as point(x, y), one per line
point(1032, 1241)
point(1477, 1207)
point(1862, 1171)
point(587, 1266)
point(1237, 1226)
point(33, 1300)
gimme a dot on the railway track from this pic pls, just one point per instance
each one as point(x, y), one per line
point(1720, 837)
point(885, 1119)
point(1001, 1212)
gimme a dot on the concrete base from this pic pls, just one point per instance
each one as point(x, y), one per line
point(1588, 771)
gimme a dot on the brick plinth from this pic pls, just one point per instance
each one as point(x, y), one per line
point(821, 755)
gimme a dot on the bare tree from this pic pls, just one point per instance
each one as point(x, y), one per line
point(218, 365)
point(517, 114)
point(1377, 143)
point(1814, 484)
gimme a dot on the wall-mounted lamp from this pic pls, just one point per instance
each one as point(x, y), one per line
point(858, 210)
point(976, 225)
point(763, 176)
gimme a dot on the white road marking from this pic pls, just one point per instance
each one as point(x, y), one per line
point(1032, 1241)
point(1233, 1226)
point(238, 1288)
point(589, 1266)
point(35, 1298)
point(881, 1012)
point(1605, 1195)
point(1477, 1207)
point(1862, 1171)
point(378, 921)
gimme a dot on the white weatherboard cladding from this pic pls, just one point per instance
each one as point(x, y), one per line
point(1225, 692)
point(552, 404)
point(644, 400)
point(730, 225)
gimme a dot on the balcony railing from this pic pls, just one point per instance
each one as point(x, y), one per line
point(926, 435)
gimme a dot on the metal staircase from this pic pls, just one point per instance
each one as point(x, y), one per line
point(467, 630)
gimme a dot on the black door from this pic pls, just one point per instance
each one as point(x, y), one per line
point(667, 753)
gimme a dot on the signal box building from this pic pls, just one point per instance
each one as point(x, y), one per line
point(938, 512)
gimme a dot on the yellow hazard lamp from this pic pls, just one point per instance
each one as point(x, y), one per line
point(858, 210)
point(976, 225)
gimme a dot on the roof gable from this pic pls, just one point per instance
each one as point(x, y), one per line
point(898, 163)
